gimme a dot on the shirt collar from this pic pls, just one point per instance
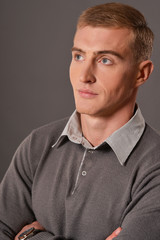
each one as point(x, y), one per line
point(121, 141)
point(125, 138)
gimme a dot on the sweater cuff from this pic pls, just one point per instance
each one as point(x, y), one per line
point(46, 236)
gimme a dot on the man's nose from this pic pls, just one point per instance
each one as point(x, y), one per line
point(87, 73)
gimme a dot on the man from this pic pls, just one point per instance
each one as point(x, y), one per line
point(95, 176)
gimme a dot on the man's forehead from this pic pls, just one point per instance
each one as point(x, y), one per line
point(100, 38)
point(103, 33)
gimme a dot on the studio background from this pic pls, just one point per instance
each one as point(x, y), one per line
point(35, 53)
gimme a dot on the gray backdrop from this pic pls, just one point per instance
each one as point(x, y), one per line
point(35, 42)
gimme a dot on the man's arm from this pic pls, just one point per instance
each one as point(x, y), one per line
point(37, 225)
point(16, 196)
point(141, 219)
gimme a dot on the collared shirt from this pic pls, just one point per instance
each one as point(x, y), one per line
point(122, 141)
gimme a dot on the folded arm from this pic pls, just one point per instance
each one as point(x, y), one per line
point(16, 212)
point(141, 219)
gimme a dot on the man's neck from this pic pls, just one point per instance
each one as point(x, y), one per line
point(98, 128)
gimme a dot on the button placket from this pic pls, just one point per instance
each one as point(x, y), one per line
point(79, 171)
point(85, 165)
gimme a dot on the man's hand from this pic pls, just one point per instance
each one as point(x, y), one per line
point(35, 224)
point(114, 234)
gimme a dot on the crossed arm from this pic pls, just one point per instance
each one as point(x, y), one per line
point(143, 221)
point(38, 226)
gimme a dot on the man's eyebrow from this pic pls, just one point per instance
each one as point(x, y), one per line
point(77, 50)
point(100, 52)
point(110, 52)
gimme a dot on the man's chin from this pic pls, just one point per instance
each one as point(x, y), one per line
point(94, 112)
point(85, 111)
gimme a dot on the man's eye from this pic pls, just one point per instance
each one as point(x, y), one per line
point(106, 61)
point(78, 57)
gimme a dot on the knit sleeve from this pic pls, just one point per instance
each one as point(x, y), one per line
point(141, 219)
point(15, 195)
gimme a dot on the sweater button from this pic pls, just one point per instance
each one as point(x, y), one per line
point(84, 173)
point(91, 151)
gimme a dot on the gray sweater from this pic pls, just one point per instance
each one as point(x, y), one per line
point(39, 185)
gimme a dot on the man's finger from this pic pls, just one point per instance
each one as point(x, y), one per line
point(114, 234)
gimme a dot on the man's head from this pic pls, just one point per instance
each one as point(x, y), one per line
point(106, 70)
point(117, 15)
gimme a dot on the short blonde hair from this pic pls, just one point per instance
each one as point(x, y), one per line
point(121, 16)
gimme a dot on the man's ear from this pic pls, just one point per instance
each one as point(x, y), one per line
point(144, 71)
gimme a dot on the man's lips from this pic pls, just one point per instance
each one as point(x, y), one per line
point(86, 93)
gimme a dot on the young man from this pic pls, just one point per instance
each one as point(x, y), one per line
point(95, 176)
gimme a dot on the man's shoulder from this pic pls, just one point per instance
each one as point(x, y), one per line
point(152, 134)
point(52, 126)
point(39, 142)
point(49, 132)
point(149, 146)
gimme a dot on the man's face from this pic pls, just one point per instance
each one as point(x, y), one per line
point(103, 72)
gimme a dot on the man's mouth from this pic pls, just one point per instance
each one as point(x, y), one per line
point(86, 93)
